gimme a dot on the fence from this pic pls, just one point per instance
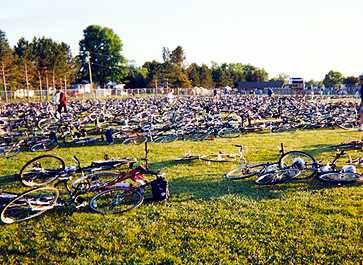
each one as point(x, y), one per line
point(44, 95)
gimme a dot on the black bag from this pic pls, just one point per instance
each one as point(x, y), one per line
point(109, 137)
point(160, 189)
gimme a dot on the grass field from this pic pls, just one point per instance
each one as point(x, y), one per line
point(208, 220)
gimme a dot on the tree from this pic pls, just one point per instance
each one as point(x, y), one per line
point(6, 64)
point(177, 56)
point(221, 75)
point(255, 74)
point(26, 68)
point(206, 79)
point(166, 54)
point(175, 76)
point(282, 76)
point(154, 73)
point(53, 61)
point(333, 79)
point(238, 73)
point(350, 81)
point(193, 72)
point(105, 50)
point(136, 77)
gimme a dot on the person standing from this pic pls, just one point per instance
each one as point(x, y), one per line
point(62, 101)
point(361, 104)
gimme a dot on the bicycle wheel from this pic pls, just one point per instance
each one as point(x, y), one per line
point(135, 140)
point(29, 205)
point(116, 201)
point(47, 146)
point(346, 124)
point(278, 176)
point(86, 141)
point(245, 171)
point(301, 161)
point(186, 158)
point(219, 158)
point(341, 178)
point(165, 138)
point(97, 180)
point(229, 133)
point(41, 170)
point(11, 152)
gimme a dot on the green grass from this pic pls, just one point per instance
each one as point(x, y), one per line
point(208, 220)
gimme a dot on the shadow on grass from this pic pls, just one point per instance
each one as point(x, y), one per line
point(167, 164)
point(190, 187)
point(9, 179)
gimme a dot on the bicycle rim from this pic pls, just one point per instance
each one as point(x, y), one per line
point(292, 159)
point(244, 171)
point(29, 205)
point(41, 170)
point(116, 201)
point(341, 178)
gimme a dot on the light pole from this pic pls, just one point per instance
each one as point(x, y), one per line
point(90, 70)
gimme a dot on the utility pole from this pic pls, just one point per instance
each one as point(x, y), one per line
point(47, 81)
point(90, 70)
point(40, 86)
point(26, 80)
point(4, 82)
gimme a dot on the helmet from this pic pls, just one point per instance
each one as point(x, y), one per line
point(349, 169)
point(298, 163)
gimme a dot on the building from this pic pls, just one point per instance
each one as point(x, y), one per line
point(297, 83)
point(243, 86)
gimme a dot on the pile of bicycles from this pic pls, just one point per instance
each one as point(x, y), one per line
point(299, 165)
point(97, 186)
point(38, 127)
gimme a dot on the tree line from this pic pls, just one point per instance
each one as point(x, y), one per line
point(43, 63)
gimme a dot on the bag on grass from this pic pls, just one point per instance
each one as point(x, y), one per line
point(160, 189)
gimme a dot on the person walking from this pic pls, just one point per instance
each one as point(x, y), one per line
point(361, 104)
point(62, 102)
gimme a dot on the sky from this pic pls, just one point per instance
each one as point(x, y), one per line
point(302, 38)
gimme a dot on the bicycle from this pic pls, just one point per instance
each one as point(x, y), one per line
point(332, 174)
point(289, 165)
point(112, 196)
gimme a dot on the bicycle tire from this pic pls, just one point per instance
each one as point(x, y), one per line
point(108, 200)
point(346, 125)
point(340, 178)
point(13, 151)
point(165, 138)
point(88, 141)
point(97, 179)
point(47, 146)
point(310, 167)
point(245, 171)
point(219, 158)
point(186, 158)
point(30, 204)
point(229, 133)
point(277, 177)
point(135, 140)
point(31, 175)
